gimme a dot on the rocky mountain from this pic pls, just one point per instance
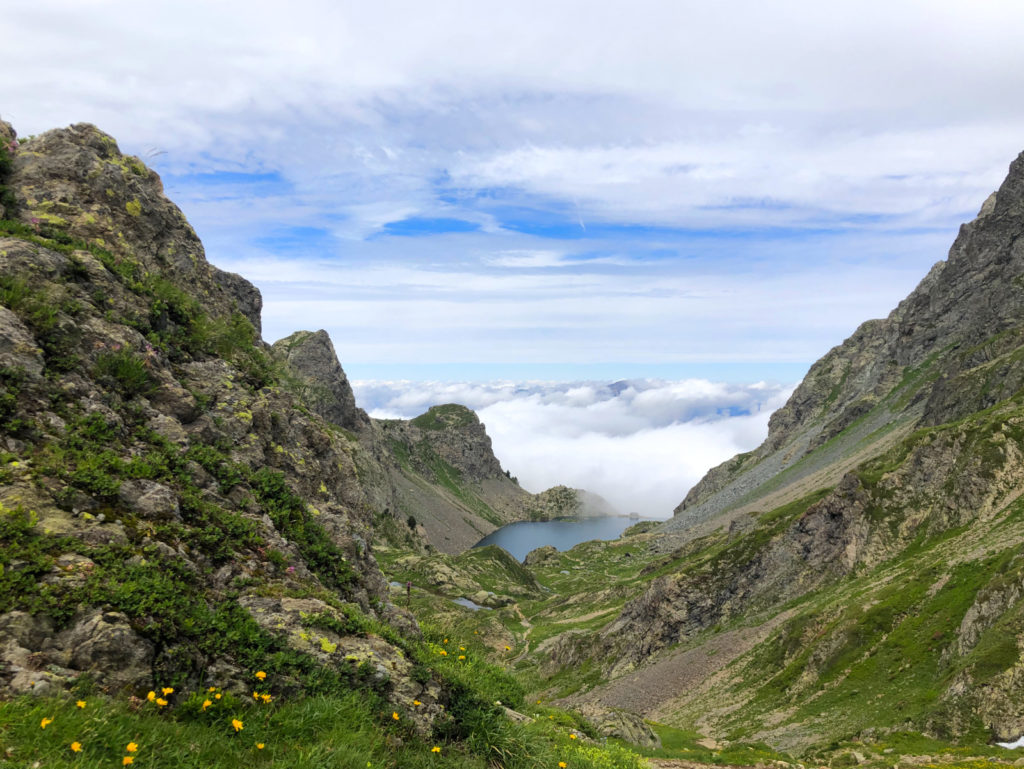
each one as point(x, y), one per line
point(445, 479)
point(860, 572)
point(180, 501)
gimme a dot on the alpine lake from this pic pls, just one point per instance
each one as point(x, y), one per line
point(562, 533)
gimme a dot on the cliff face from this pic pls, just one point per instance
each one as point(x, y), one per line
point(311, 356)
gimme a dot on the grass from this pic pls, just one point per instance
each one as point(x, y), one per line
point(345, 730)
point(124, 371)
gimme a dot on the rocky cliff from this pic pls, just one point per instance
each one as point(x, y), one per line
point(930, 361)
point(445, 479)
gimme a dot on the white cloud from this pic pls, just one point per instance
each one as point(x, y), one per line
point(880, 125)
point(641, 444)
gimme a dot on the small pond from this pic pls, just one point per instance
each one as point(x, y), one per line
point(522, 537)
point(469, 604)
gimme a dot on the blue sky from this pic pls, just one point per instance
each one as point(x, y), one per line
point(556, 190)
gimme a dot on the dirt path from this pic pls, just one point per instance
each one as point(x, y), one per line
point(646, 689)
point(585, 617)
point(526, 636)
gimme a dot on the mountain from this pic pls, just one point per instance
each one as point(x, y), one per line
point(859, 573)
point(177, 497)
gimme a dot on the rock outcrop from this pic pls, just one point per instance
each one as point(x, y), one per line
point(311, 355)
point(75, 181)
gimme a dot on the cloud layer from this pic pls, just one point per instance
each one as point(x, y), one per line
point(641, 444)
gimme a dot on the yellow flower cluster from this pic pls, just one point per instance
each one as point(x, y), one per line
point(132, 748)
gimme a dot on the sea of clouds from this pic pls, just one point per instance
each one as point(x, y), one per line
point(639, 443)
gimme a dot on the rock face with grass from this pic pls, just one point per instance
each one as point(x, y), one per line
point(75, 182)
point(180, 502)
point(964, 317)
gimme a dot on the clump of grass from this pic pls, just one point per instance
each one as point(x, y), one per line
point(128, 373)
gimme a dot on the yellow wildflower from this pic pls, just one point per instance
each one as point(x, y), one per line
point(76, 747)
point(212, 689)
point(444, 653)
point(46, 721)
point(572, 736)
point(127, 760)
point(266, 698)
point(394, 715)
point(206, 704)
point(80, 703)
point(508, 648)
point(446, 640)
point(462, 656)
point(255, 695)
point(562, 765)
point(132, 747)
point(417, 703)
point(161, 701)
point(462, 648)
point(237, 724)
point(217, 696)
point(167, 690)
point(261, 675)
point(151, 696)
point(435, 749)
point(259, 746)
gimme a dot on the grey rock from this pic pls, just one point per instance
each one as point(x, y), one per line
point(150, 499)
point(621, 725)
point(104, 644)
point(541, 555)
point(312, 356)
point(18, 348)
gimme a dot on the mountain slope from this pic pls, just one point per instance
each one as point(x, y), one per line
point(947, 350)
point(861, 571)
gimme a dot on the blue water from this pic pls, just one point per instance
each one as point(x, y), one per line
point(469, 604)
point(522, 537)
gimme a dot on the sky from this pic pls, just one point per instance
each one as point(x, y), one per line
point(472, 192)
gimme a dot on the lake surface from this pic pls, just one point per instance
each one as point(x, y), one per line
point(522, 537)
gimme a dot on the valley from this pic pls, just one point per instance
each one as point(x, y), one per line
point(188, 510)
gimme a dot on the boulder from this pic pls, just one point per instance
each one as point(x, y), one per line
point(105, 645)
point(620, 724)
point(150, 500)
